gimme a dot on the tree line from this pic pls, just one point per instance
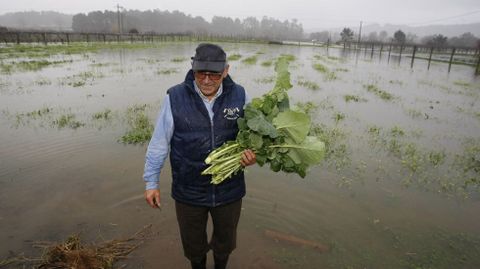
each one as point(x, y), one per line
point(439, 41)
point(165, 22)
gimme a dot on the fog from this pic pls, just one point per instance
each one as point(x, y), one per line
point(312, 14)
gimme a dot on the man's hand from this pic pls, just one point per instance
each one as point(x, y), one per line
point(248, 157)
point(153, 198)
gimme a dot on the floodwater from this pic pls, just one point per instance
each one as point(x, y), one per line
point(379, 201)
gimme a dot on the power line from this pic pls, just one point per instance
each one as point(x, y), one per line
point(447, 18)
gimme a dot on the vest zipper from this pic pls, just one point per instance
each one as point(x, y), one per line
point(213, 147)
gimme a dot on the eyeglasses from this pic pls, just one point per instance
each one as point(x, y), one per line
point(212, 76)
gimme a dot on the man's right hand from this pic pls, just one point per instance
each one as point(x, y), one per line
point(153, 198)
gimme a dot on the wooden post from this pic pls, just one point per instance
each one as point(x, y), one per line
point(328, 43)
point(18, 37)
point(88, 38)
point(389, 51)
point(451, 60)
point(68, 38)
point(44, 35)
point(118, 38)
point(373, 46)
point(104, 38)
point(477, 70)
point(413, 56)
point(400, 55)
point(430, 58)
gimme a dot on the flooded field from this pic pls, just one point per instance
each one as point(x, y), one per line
point(399, 187)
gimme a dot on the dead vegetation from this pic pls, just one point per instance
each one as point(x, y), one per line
point(73, 254)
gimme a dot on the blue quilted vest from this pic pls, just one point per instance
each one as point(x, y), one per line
point(195, 136)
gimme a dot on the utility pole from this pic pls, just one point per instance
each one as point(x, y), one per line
point(359, 34)
point(120, 24)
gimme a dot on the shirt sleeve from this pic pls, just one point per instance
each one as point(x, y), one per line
point(159, 145)
point(247, 98)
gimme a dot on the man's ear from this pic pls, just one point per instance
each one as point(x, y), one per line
point(225, 71)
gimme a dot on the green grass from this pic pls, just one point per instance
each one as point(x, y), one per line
point(265, 80)
point(234, 57)
point(328, 75)
point(338, 116)
point(353, 98)
point(81, 79)
point(42, 51)
point(308, 84)
point(178, 59)
point(378, 92)
point(33, 65)
point(141, 129)
point(267, 63)
point(431, 169)
point(67, 120)
point(103, 115)
point(167, 71)
point(320, 68)
point(43, 81)
point(250, 60)
point(415, 114)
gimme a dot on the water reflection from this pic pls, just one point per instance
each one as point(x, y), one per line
point(58, 181)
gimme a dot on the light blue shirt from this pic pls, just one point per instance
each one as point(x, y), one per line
point(159, 145)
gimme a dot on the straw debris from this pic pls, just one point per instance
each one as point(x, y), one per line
point(73, 254)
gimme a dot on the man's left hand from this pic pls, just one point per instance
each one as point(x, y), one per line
point(248, 157)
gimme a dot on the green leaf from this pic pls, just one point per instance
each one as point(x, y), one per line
point(293, 124)
point(310, 152)
point(257, 122)
point(256, 141)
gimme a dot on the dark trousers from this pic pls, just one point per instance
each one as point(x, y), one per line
point(192, 221)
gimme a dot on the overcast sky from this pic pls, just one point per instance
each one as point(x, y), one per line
point(311, 13)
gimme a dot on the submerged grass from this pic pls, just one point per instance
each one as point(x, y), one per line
point(69, 121)
point(41, 51)
point(267, 63)
point(265, 80)
point(167, 71)
point(103, 115)
point(308, 84)
point(81, 79)
point(141, 129)
point(431, 170)
point(378, 92)
point(234, 57)
point(250, 60)
point(33, 65)
point(178, 59)
point(353, 98)
point(337, 152)
point(327, 74)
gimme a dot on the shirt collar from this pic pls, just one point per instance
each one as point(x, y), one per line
point(204, 98)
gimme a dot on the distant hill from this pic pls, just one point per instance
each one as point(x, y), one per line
point(44, 20)
point(446, 30)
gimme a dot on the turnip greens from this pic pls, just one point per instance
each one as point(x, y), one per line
point(277, 134)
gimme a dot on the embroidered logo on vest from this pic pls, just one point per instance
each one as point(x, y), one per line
point(231, 113)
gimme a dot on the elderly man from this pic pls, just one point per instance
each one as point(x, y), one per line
point(196, 118)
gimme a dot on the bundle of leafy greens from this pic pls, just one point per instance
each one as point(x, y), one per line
point(277, 134)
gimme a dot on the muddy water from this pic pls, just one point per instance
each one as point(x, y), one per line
point(58, 181)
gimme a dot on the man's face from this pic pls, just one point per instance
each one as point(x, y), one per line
point(209, 82)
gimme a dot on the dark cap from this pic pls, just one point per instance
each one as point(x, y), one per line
point(209, 57)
